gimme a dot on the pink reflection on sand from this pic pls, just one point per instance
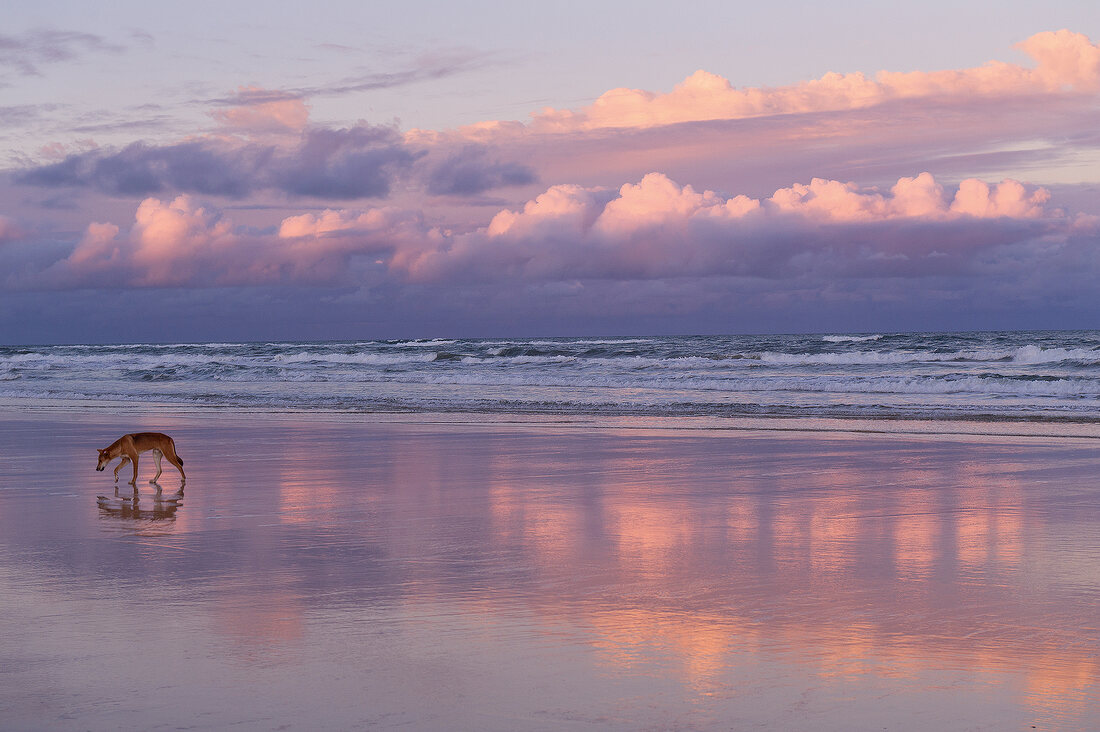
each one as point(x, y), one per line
point(258, 619)
point(727, 565)
point(852, 568)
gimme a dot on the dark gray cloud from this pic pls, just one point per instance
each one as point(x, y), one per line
point(140, 169)
point(472, 170)
point(363, 161)
point(344, 164)
point(26, 52)
point(359, 162)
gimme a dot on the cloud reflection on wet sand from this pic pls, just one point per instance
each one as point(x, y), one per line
point(733, 567)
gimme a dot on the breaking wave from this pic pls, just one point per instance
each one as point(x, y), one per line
point(1007, 375)
point(850, 339)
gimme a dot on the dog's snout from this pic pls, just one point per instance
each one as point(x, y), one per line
point(99, 468)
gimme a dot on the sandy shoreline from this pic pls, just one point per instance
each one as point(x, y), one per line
point(342, 571)
point(946, 427)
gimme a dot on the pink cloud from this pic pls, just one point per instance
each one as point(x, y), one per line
point(654, 228)
point(919, 197)
point(168, 245)
point(1065, 61)
point(99, 247)
point(658, 228)
point(1009, 198)
point(181, 243)
point(9, 230)
point(263, 111)
point(569, 209)
point(337, 237)
point(330, 222)
point(993, 120)
point(657, 200)
point(957, 123)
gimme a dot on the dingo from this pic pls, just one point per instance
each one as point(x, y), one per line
point(128, 447)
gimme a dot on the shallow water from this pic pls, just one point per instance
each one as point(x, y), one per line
point(328, 573)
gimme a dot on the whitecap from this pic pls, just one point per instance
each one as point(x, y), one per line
point(850, 338)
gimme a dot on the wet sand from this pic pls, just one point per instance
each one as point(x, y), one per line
point(327, 572)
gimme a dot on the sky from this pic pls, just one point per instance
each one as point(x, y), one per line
point(255, 171)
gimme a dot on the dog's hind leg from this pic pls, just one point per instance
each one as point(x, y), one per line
point(157, 455)
point(176, 461)
point(120, 465)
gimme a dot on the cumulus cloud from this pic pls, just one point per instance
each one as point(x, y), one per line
point(657, 228)
point(652, 229)
point(168, 245)
point(658, 201)
point(183, 243)
point(1065, 62)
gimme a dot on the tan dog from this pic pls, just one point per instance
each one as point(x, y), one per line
point(128, 447)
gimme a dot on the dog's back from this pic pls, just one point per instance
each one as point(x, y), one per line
point(150, 440)
point(157, 441)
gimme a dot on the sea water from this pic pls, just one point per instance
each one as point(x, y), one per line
point(984, 376)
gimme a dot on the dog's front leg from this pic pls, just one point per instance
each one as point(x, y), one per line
point(133, 481)
point(121, 464)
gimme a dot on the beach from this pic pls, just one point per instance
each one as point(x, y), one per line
point(455, 572)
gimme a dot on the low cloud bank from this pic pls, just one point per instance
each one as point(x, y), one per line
point(650, 230)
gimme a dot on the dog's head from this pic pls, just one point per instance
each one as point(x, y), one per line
point(104, 458)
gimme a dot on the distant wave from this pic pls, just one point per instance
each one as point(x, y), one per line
point(316, 357)
point(1023, 376)
point(852, 339)
point(1025, 355)
point(427, 343)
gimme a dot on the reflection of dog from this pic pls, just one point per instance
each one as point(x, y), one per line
point(122, 507)
point(128, 447)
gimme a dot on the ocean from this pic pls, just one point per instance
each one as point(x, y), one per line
point(1050, 376)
